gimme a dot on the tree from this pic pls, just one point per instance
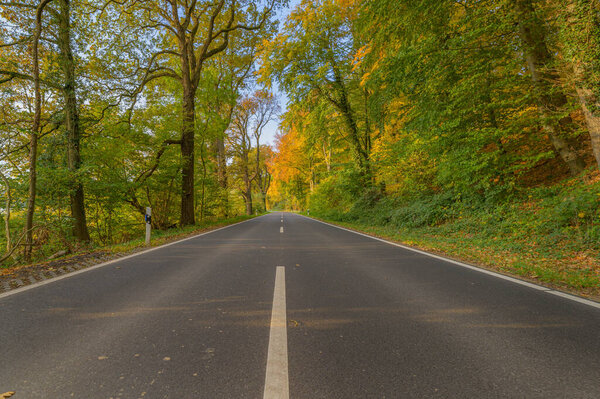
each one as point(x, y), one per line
point(265, 110)
point(312, 58)
point(579, 34)
point(86, 135)
point(250, 118)
point(72, 120)
point(240, 142)
point(263, 173)
point(200, 30)
point(552, 101)
point(290, 167)
point(59, 31)
point(9, 75)
point(235, 66)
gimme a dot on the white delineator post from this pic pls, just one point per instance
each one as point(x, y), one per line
point(148, 219)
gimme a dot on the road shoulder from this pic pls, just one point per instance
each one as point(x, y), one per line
point(572, 293)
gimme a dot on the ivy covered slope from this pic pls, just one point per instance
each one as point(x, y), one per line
point(469, 128)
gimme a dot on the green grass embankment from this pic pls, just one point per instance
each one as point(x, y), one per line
point(551, 235)
point(159, 237)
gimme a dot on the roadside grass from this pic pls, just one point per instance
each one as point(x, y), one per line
point(159, 237)
point(574, 271)
point(550, 236)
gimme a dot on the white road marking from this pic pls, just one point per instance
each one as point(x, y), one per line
point(276, 380)
point(561, 294)
point(281, 229)
point(574, 298)
point(110, 262)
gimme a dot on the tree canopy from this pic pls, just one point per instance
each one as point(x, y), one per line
point(407, 100)
point(111, 107)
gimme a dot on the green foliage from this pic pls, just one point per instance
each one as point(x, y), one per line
point(330, 199)
point(571, 211)
point(549, 233)
point(129, 93)
point(454, 122)
point(567, 214)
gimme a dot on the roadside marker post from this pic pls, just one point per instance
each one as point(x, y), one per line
point(148, 219)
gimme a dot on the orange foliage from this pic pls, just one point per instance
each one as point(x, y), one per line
point(287, 162)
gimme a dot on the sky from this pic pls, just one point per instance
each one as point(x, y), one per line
point(271, 128)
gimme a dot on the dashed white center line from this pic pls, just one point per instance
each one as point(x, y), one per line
point(276, 380)
point(281, 229)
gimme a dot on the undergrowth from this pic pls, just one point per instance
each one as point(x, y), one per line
point(550, 234)
point(159, 237)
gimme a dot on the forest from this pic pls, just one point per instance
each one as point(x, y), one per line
point(111, 107)
point(465, 127)
point(470, 128)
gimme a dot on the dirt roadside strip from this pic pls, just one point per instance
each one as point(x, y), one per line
point(20, 276)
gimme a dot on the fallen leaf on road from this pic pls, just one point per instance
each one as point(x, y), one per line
point(7, 394)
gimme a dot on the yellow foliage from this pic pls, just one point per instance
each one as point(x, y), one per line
point(364, 79)
point(288, 160)
point(360, 55)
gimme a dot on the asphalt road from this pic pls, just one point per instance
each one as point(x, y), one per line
point(346, 317)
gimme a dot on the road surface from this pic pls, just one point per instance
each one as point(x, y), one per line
point(283, 304)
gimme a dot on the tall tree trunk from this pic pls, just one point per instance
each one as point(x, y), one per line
point(221, 155)
point(33, 134)
point(592, 121)
point(221, 163)
point(360, 145)
point(585, 95)
point(187, 155)
point(72, 124)
point(33, 145)
point(259, 178)
point(327, 154)
point(203, 192)
point(360, 152)
point(198, 41)
point(248, 200)
point(222, 176)
point(7, 206)
point(247, 193)
point(265, 182)
point(550, 99)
